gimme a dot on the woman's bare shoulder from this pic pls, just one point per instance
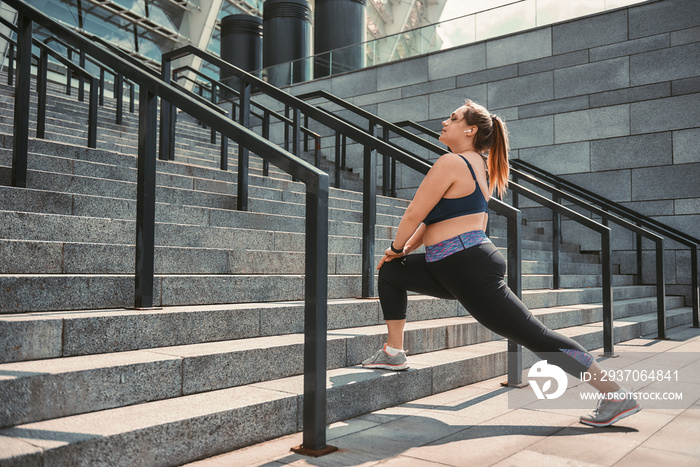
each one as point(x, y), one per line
point(449, 159)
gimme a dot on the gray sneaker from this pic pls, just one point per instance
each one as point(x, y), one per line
point(610, 411)
point(381, 359)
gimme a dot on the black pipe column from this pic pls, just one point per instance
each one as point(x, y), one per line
point(337, 25)
point(241, 45)
point(287, 36)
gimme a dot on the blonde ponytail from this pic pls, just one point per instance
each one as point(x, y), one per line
point(491, 136)
point(497, 162)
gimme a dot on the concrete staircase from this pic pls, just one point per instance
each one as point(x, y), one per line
point(84, 380)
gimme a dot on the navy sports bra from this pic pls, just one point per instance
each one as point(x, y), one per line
point(449, 208)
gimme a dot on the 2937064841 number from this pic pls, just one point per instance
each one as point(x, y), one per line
point(630, 375)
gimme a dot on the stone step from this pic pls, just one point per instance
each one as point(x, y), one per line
point(67, 257)
point(179, 190)
point(70, 333)
point(67, 176)
point(57, 125)
point(66, 115)
point(244, 415)
point(69, 158)
point(28, 226)
point(46, 292)
point(127, 145)
point(72, 111)
point(90, 206)
point(193, 136)
point(87, 383)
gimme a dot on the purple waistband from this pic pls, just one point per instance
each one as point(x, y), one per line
point(452, 245)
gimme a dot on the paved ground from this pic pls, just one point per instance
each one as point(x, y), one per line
point(477, 425)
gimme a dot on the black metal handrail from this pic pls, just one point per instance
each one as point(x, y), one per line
point(220, 85)
point(19, 176)
point(389, 172)
point(297, 106)
point(42, 82)
point(343, 130)
point(223, 147)
point(606, 207)
point(606, 257)
point(117, 83)
point(150, 89)
point(265, 118)
point(81, 86)
point(340, 126)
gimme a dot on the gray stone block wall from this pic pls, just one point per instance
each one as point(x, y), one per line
point(610, 101)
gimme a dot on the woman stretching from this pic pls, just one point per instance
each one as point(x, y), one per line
point(448, 215)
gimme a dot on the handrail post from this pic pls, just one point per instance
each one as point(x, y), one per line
point(286, 128)
point(172, 124)
point(660, 290)
point(386, 170)
point(556, 245)
point(315, 317)
point(515, 281)
point(166, 138)
point(344, 157)
point(81, 78)
point(337, 159)
point(213, 101)
point(266, 135)
point(92, 114)
point(224, 153)
point(145, 200)
point(131, 97)
point(369, 217)
point(306, 135)
point(69, 74)
point(119, 90)
point(608, 338)
point(243, 154)
point(640, 270)
point(695, 293)
point(296, 132)
point(41, 80)
point(11, 65)
point(20, 147)
point(102, 86)
point(317, 151)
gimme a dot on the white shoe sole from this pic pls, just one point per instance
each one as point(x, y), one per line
point(615, 419)
point(384, 366)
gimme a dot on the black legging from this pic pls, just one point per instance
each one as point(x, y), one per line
point(475, 277)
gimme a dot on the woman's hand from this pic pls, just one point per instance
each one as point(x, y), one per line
point(389, 254)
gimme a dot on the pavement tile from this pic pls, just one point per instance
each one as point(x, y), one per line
point(258, 454)
point(605, 445)
point(344, 428)
point(495, 440)
point(647, 457)
point(420, 429)
point(479, 409)
point(406, 461)
point(681, 435)
point(532, 458)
